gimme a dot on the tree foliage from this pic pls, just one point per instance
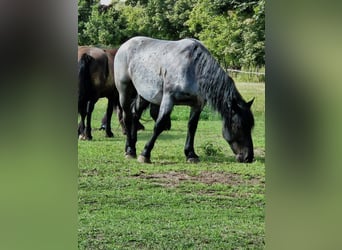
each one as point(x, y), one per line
point(233, 30)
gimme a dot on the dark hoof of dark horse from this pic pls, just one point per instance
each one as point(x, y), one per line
point(143, 159)
point(193, 160)
point(130, 156)
point(103, 127)
point(110, 135)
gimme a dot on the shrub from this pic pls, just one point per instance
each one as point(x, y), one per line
point(210, 149)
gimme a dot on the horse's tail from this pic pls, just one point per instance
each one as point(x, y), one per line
point(84, 80)
point(106, 68)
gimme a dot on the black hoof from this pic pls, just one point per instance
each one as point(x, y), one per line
point(109, 134)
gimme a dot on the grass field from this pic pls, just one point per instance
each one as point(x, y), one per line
point(170, 204)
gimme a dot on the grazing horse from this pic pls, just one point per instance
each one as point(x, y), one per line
point(183, 72)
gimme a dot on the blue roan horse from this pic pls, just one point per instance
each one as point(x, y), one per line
point(183, 72)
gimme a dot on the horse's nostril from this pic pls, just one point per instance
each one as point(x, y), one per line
point(244, 158)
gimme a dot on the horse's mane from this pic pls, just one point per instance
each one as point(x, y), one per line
point(216, 86)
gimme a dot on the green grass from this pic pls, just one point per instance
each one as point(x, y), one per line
point(249, 77)
point(170, 204)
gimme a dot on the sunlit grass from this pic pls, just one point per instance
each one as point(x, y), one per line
point(169, 204)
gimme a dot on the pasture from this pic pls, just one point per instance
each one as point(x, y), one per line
point(170, 204)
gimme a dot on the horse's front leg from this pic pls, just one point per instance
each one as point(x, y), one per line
point(154, 111)
point(166, 107)
point(189, 150)
point(90, 108)
point(109, 113)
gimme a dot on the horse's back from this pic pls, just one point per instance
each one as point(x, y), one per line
point(154, 65)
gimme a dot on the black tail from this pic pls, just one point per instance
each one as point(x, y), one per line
point(84, 81)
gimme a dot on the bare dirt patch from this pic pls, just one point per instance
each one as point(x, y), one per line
point(173, 178)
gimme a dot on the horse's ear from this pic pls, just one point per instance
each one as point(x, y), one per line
point(249, 104)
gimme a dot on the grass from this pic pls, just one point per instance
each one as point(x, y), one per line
point(170, 204)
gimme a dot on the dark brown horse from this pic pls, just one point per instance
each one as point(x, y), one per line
point(96, 80)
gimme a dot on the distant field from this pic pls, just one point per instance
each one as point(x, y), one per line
point(170, 204)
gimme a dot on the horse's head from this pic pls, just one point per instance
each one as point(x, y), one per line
point(237, 129)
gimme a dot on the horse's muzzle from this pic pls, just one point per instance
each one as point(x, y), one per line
point(246, 158)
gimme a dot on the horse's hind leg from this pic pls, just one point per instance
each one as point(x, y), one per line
point(90, 108)
point(81, 126)
point(109, 113)
point(126, 91)
point(103, 122)
point(189, 150)
point(164, 116)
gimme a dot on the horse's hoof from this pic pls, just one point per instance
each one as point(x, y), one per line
point(84, 138)
point(109, 135)
point(129, 156)
point(143, 159)
point(193, 160)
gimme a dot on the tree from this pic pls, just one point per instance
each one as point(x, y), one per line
point(84, 12)
point(233, 30)
point(235, 36)
point(106, 27)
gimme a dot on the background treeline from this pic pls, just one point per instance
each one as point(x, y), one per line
point(233, 30)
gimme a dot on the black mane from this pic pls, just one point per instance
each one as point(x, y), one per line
point(217, 87)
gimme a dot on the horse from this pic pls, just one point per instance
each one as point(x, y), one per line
point(182, 72)
point(96, 80)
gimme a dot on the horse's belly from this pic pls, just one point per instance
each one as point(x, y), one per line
point(150, 88)
point(150, 93)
